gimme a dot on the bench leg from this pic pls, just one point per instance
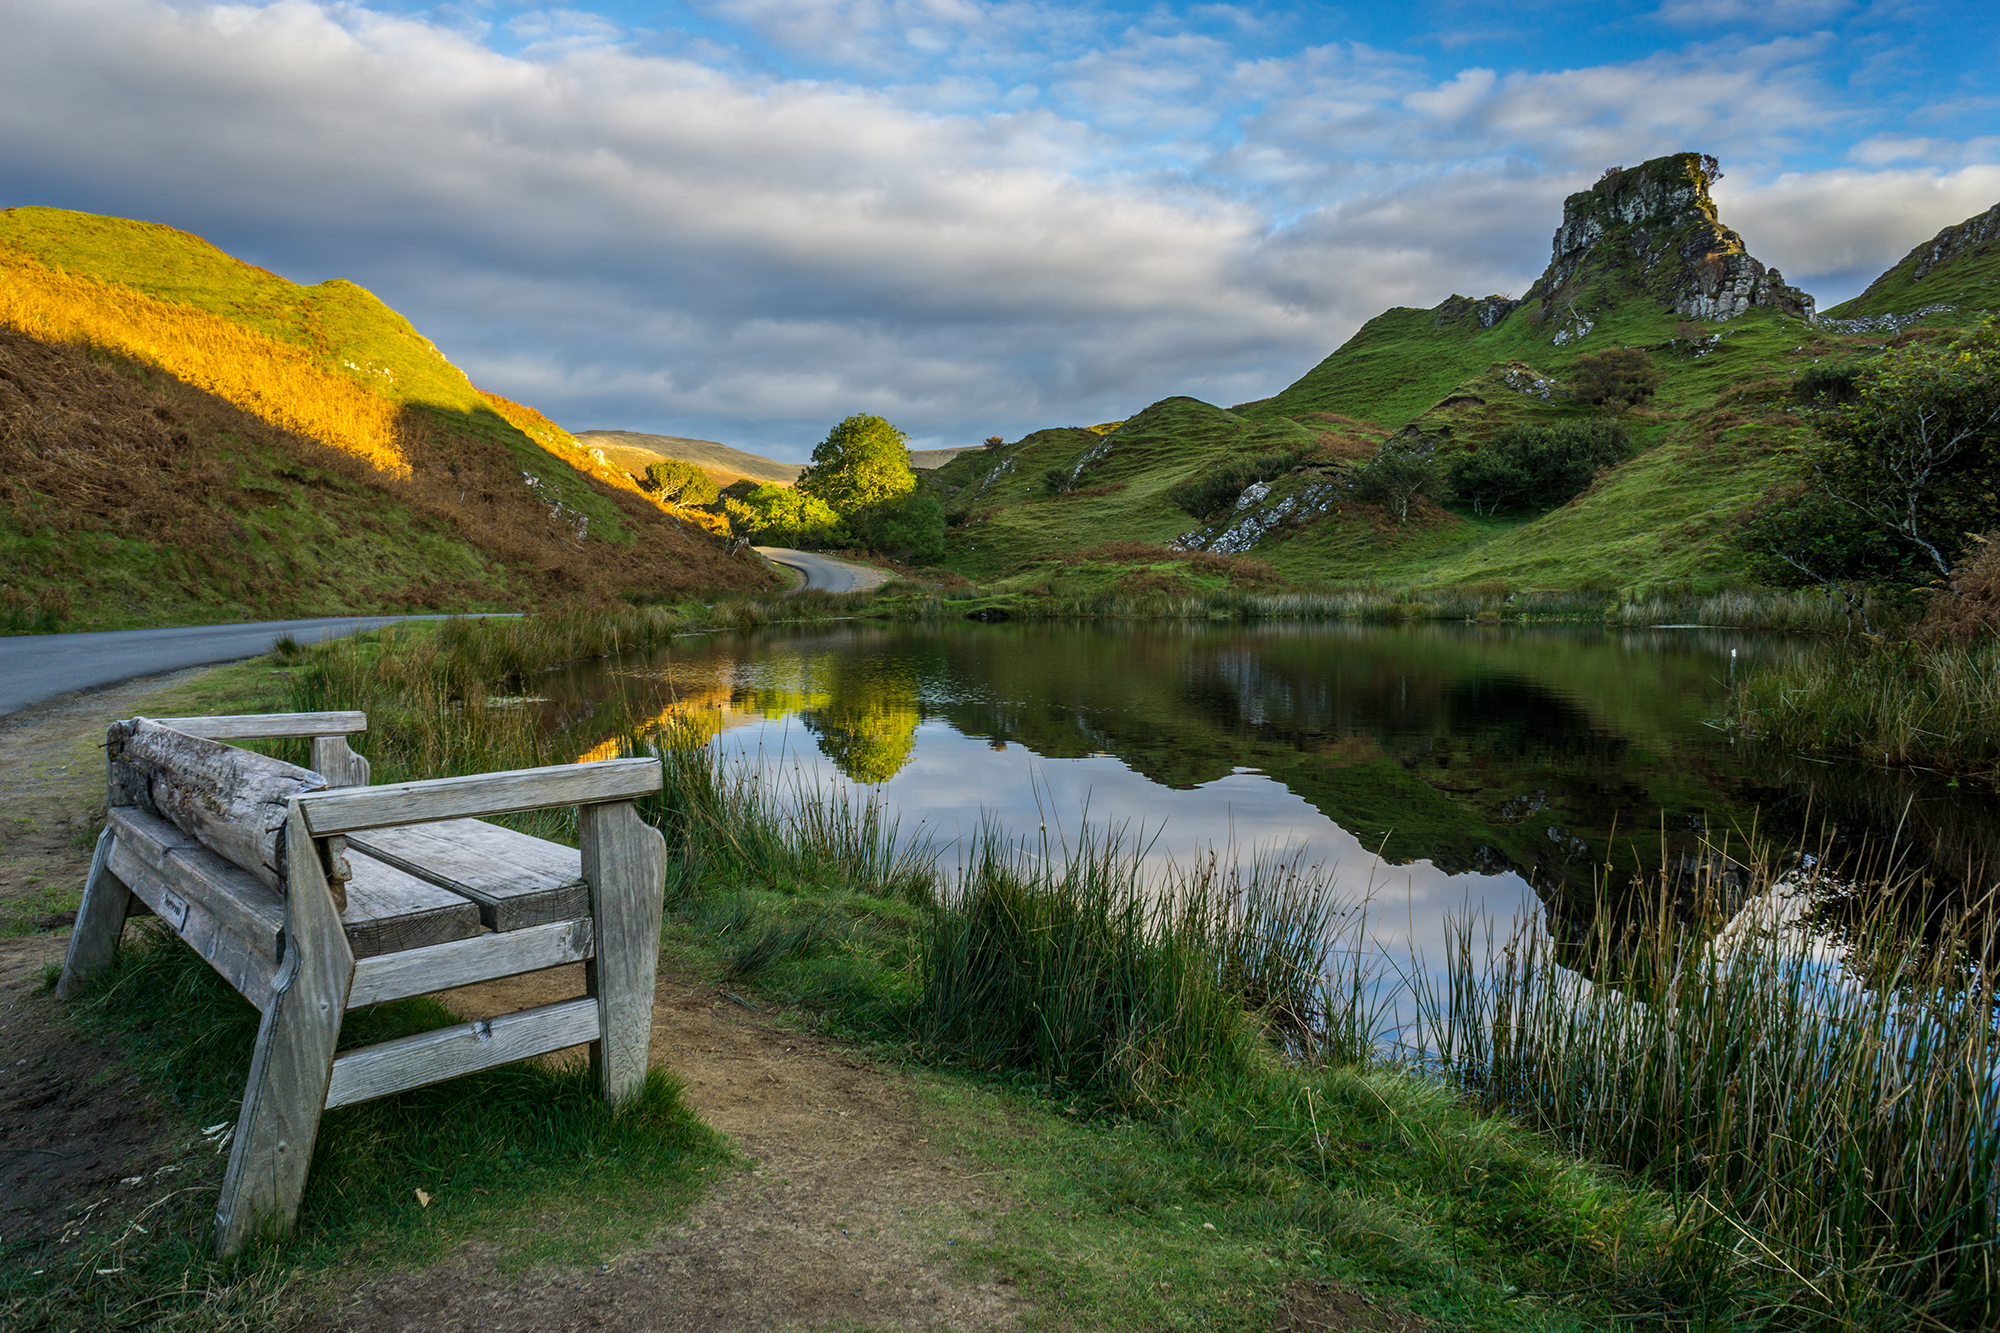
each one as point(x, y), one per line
point(100, 920)
point(293, 1060)
point(625, 862)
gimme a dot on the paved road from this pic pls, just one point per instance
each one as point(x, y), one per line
point(825, 573)
point(35, 667)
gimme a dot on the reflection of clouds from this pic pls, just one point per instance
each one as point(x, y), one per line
point(953, 784)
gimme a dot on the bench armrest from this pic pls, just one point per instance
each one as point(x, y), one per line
point(267, 726)
point(351, 809)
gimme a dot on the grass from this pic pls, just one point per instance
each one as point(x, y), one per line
point(1834, 1136)
point(524, 1157)
point(280, 383)
point(1147, 1061)
point(1930, 706)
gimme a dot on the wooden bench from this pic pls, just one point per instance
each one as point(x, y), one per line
point(314, 893)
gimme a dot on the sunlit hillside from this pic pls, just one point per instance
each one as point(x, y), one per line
point(162, 402)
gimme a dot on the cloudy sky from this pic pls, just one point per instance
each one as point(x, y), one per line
point(745, 219)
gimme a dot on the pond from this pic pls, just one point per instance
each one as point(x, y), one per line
point(1436, 768)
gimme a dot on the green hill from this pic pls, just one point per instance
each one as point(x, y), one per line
point(152, 475)
point(1640, 260)
point(1951, 279)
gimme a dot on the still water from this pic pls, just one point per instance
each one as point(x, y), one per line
point(1437, 769)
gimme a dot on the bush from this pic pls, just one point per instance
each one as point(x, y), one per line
point(679, 482)
point(1899, 477)
point(1400, 471)
point(1536, 467)
point(1620, 378)
point(1218, 488)
point(1827, 386)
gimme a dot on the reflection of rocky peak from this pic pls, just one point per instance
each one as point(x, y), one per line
point(1651, 232)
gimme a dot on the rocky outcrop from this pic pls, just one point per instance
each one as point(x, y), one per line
point(1484, 312)
point(1651, 231)
point(1967, 238)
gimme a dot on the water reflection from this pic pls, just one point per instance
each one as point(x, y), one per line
point(1439, 767)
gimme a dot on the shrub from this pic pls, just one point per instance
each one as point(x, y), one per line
point(1826, 386)
point(1620, 378)
point(775, 514)
point(1536, 467)
point(910, 527)
point(1400, 471)
point(1218, 488)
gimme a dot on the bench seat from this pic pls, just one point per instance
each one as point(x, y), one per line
point(517, 880)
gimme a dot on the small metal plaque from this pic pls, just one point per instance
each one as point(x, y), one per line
point(173, 909)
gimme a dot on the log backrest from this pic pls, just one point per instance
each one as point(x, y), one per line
point(232, 801)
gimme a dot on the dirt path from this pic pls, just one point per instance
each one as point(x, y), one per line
point(844, 1221)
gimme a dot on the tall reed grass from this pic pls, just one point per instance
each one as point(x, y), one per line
point(1827, 1130)
point(282, 384)
point(1488, 602)
point(1935, 705)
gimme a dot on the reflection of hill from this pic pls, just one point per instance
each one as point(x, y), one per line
point(1475, 751)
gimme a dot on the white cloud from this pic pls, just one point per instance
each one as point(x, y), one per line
point(1065, 223)
point(1832, 232)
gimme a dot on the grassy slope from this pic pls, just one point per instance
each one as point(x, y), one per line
point(1713, 441)
point(1969, 280)
point(316, 536)
point(1121, 480)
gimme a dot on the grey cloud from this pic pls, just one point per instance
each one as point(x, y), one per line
point(651, 241)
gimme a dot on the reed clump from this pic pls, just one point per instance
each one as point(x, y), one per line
point(1932, 705)
point(1828, 1134)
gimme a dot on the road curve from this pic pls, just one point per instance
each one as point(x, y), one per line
point(38, 667)
point(825, 573)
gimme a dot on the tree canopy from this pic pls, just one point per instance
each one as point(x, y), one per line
point(1899, 476)
point(679, 482)
point(862, 461)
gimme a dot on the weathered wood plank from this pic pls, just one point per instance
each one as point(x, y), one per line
point(233, 801)
point(386, 909)
point(389, 909)
point(395, 976)
point(100, 920)
point(291, 1065)
point(339, 765)
point(350, 810)
point(268, 726)
point(517, 880)
point(431, 1057)
point(154, 857)
point(624, 860)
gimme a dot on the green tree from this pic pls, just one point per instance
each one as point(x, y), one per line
point(680, 482)
point(1401, 470)
point(910, 527)
point(1620, 378)
point(780, 515)
point(1899, 476)
point(862, 461)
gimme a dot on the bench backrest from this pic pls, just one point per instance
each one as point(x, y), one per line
point(232, 801)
